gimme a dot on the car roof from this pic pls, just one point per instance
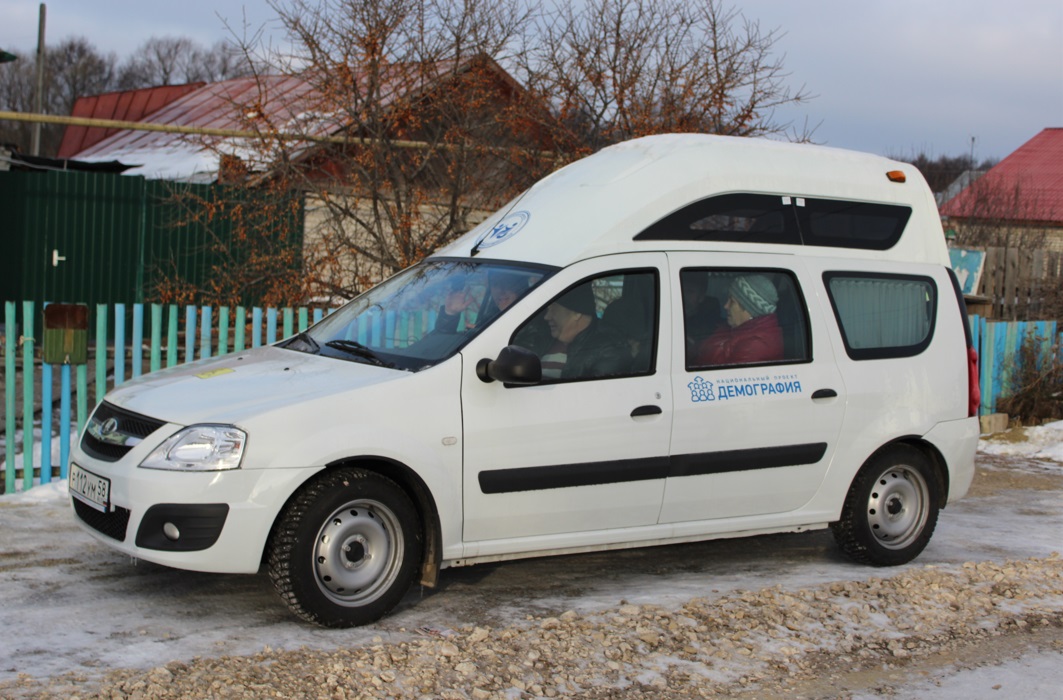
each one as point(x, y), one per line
point(597, 205)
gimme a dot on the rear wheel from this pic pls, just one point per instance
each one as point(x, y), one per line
point(891, 509)
point(346, 548)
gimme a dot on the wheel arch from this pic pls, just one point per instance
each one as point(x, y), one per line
point(415, 488)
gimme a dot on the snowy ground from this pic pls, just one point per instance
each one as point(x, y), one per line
point(69, 605)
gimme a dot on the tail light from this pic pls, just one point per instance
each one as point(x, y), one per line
point(974, 392)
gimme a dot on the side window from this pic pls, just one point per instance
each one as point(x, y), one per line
point(743, 317)
point(883, 316)
point(746, 218)
point(791, 220)
point(602, 327)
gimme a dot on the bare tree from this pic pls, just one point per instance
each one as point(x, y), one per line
point(176, 60)
point(495, 95)
point(73, 68)
point(619, 69)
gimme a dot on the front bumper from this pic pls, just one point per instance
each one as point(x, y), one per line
point(201, 521)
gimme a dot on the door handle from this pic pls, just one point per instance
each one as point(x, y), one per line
point(824, 394)
point(646, 411)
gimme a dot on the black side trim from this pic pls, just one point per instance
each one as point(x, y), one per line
point(199, 526)
point(566, 475)
point(747, 460)
point(624, 470)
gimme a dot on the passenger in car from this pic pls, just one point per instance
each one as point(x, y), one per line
point(504, 287)
point(753, 333)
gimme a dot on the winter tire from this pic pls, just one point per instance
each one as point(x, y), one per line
point(891, 509)
point(346, 548)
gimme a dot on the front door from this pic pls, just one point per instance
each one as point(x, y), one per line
point(585, 451)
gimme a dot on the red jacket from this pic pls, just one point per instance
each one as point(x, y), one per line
point(756, 340)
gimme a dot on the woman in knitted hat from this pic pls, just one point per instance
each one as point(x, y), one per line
point(753, 333)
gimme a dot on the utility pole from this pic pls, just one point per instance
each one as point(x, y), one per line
point(35, 143)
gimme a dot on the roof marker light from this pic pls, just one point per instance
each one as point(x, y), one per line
point(897, 176)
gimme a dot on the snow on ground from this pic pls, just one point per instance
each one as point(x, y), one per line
point(71, 604)
point(1043, 442)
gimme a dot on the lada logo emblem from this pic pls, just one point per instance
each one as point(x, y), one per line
point(109, 427)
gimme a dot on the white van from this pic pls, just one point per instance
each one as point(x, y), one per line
point(678, 338)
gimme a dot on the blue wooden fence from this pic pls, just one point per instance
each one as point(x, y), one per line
point(999, 344)
point(156, 336)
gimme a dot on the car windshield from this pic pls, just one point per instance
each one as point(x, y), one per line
point(421, 316)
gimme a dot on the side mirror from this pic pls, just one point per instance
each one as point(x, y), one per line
point(514, 365)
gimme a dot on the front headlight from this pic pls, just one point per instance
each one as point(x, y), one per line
point(200, 448)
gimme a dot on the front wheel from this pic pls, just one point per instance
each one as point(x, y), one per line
point(345, 550)
point(891, 509)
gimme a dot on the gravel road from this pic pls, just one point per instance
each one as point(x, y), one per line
point(778, 616)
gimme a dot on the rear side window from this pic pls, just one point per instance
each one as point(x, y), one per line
point(766, 218)
point(743, 218)
point(883, 316)
point(839, 224)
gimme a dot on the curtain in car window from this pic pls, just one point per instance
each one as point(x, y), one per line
point(880, 313)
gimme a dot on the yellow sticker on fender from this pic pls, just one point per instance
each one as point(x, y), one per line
point(214, 373)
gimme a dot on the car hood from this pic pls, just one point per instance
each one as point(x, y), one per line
point(236, 387)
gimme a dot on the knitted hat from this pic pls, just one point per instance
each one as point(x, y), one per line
point(755, 293)
point(580, 300)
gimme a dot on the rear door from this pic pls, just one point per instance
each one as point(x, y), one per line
point(757, 413)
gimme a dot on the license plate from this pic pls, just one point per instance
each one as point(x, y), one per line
point(89, 488)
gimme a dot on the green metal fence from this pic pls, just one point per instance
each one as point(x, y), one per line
point(100, 238)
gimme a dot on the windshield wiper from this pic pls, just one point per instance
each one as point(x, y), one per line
point(353, 347)
point(304, 337)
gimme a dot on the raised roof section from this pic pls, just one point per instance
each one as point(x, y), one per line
point(598, 205)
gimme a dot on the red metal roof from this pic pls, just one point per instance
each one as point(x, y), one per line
point(1025, 186)
point(128, 105)
point(224, 105)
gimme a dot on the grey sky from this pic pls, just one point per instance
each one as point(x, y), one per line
point(893, 77)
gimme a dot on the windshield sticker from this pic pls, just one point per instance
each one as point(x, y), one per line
point(733, 388)
point(504, 229)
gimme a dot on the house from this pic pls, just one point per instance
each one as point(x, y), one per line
point(1018, 202)
point(369, 209)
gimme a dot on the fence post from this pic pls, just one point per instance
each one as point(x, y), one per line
point(46, 428)
point(241, 329)
point(9, 404)
point(101, 351)
point(119, 344)
point(256, 327)
point(289, 322)
point(171, 337)
point(29, 368)
point(156, 337)
point(190, 333)
point(271, 326)
point(83, 397)
point(206, 324)
point(64, 423)
point(138, 340)
point(223, 330)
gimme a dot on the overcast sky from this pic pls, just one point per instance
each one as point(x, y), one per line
point(894, 77)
